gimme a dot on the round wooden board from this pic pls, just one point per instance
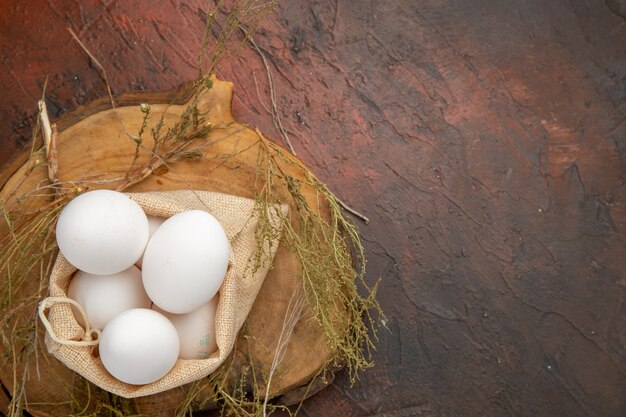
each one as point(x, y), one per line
point(92, 142)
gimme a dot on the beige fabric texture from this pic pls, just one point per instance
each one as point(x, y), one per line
point(237, 294)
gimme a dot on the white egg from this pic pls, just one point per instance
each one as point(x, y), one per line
point(196, 330)
point(139, 346)
point(153, 224)
point(105, 296)
point(102, 232)
point(185, 261)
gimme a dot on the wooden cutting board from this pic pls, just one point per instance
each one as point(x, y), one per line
point(92, 142)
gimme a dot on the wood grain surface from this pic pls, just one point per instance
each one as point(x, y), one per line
point(485, 140)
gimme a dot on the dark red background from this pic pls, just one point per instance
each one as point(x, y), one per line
point(485, 140)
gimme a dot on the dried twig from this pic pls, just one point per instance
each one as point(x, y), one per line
point(278, 123)
point(292, 316)
point(157, 161)
point(258, 94)
point(134, 175)
point(50, 138)
point(352, 211)
point(105, 78)
point(270, 80)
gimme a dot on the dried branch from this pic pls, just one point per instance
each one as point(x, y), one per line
point(49, 138)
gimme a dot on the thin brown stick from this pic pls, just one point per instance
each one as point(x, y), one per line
point(53, 161)
point(95, 61)
point(105, 78)
point(270, 79)
point(46, 128)
point(258, 94)
point(279, 125)
point(50, 134)
point(352, 211)
point(291, 318)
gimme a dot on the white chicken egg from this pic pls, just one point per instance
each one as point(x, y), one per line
point(196, 330)
point(153, 224)
point(105, 296)
point(102, 232)
point(185, 261)
point(139, 346)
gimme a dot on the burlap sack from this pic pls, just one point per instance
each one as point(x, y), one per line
point(237, 294)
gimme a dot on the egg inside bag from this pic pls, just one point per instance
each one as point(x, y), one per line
point(185, 261)
point(105, 296)
point(102, 232)
point(201, 271)
point(139, 346)
point(196, 330)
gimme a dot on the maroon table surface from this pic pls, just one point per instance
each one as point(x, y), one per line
point(485, 140)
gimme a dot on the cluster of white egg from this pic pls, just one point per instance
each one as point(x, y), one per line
point(150, 284)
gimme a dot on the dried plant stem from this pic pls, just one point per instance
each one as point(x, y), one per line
point(278, 123)
point(270, 79)
point(157, 161)
point(105, 78)
point(292, 316)
point(53, 162)
point(133, 176)
point(352, 211)
point(258, 94)
point(50, 134)
point(332, 258)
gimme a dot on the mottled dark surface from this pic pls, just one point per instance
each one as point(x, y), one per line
point(485, 140)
